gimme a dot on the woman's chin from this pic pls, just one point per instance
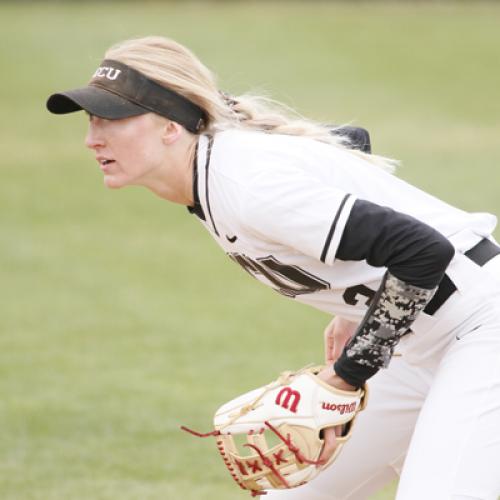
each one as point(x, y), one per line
point(111, 182)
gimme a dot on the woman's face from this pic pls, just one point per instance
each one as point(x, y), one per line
point(129, 150)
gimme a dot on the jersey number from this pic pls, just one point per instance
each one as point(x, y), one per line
point(287, 280)
point(350, 295)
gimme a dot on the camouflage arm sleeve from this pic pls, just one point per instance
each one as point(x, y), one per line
point(389, 317)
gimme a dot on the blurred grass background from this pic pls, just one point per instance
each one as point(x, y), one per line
point(120, 318)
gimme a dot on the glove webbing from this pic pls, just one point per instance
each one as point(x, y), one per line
point(287, 441)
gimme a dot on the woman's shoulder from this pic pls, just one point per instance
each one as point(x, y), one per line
point(248, 139)
point(243, 141)
point(244, 154)
point(254, 149)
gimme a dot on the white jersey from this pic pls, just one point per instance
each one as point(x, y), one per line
point(278, 205)
point(284, 208)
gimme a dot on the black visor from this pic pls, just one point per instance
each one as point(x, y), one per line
point(119, 91)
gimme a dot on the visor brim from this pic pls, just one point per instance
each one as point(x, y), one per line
point(94, 100)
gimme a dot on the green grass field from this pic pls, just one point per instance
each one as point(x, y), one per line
point(120, 318)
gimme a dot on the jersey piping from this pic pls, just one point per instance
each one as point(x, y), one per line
point(201, 177)
point(332, 229)
point(196, 208)
point(207, 183)
point(328, 255)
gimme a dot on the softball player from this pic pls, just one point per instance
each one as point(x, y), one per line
point(329, 226)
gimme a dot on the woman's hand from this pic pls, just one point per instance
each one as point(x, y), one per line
point(336, 335)
point(330, 434)
point(331, 378)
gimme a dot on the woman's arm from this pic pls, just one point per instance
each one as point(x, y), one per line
point(416, 257)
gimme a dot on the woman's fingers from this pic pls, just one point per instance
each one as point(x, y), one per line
point(338, 346)
point(336, 335)
point(330, 443)
point(329, 346)
point(329, 338)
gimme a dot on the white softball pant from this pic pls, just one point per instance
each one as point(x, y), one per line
point(433, 417)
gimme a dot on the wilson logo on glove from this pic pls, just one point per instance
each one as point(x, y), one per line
point(340, 408)
point(289, 394)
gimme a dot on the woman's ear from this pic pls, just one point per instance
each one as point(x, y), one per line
point(172, 131)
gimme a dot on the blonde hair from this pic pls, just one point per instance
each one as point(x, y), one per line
point(174, 66)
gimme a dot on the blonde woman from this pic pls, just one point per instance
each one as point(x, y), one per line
point(331, 227)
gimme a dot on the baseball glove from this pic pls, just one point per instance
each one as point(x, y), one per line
point(270, 438)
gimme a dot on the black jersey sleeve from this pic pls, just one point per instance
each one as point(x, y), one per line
point(412, 251)
point(416, 257)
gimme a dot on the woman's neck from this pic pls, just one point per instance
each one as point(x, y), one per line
point(174, 180)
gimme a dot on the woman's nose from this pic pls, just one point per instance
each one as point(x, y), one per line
point(94, 138)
